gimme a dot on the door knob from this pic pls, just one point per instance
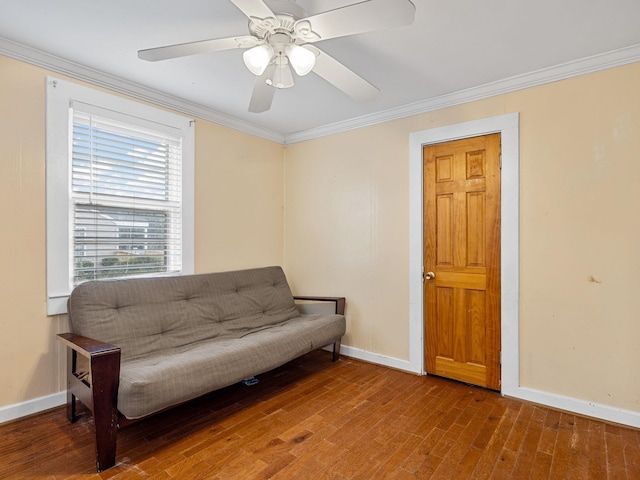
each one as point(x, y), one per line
point(430, 275)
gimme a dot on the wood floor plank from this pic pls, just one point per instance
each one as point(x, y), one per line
point(467, 464)
point(504, 466)
point(561, 452)
point(597, 453)
point(547, 441)
point(541, 466)
point(390, 464)
point(493, 437)
point(528, 449)
point(579, 448)
point(317, 420)
point(631, 452)
point(421, 454)
point(615, 455)
point(516, 436)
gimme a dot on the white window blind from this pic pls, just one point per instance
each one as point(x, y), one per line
point(126, 214)
point(120, 189)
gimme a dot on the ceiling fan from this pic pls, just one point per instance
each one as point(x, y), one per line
point(281, 37)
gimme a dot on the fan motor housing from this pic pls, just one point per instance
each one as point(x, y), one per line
point(262, 27)
point(287, 7)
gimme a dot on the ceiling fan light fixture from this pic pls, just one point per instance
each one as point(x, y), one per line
point(281, 37)
point(257, 59)
point(282, 76)
point(301, 59)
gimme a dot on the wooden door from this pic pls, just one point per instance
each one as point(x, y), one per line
point(462, 260)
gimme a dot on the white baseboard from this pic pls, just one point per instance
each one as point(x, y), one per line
point(18, 410)
point(575, 405)
point(377, 359)
point(560, 402)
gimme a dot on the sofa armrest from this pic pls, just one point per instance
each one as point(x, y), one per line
point(338, 301)
point(100, 394)
point(85, 346)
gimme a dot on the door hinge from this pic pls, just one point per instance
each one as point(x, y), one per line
point(500, 161)
point(500, 357)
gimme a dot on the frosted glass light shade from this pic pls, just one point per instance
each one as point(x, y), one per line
point(301, 59)
point(282, 77)
point(257, 58)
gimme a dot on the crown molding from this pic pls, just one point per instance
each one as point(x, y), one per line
point(595, 63)
point(80, 72)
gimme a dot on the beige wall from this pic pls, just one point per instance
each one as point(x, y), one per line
point(345, 228)
point(239, 200)
point(347, 199)
point(238, 217)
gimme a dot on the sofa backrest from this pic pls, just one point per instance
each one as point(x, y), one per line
point(143, 315)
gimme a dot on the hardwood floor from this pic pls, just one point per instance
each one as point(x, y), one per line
point(313, 419)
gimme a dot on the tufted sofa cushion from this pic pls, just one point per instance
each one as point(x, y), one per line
point(148, 315)
point(160, 379)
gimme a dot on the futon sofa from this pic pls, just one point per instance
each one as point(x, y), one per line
point(140, 346)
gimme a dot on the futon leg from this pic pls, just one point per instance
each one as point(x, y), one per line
point(71, 398)
point(71, 407)
point(336, 352)
point(105, 379)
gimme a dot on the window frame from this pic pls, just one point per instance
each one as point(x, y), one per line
point(60, 96)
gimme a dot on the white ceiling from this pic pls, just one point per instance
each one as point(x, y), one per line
point(453, 46)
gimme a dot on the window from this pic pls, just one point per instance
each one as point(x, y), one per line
point(119, 190)
point(125, 195)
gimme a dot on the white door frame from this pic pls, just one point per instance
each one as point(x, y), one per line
point(508, 127)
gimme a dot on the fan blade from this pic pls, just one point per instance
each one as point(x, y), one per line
point(342, 77)
point(358, 18)
point(193, 48)
point(254, 8)
point(262, 95)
